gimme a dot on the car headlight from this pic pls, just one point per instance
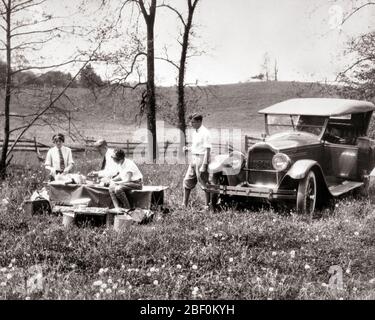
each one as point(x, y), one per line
point(280, 161)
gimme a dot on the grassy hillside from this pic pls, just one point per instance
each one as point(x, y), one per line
point(111, 114)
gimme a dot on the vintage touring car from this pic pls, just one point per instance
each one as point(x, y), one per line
point(312, 149)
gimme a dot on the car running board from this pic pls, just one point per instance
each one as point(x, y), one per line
point(343, 187)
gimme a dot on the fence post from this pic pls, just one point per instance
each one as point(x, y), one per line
point(245, 143)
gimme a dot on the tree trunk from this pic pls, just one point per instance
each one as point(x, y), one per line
point(181, 104)
point(8, 85)
point(151, 101)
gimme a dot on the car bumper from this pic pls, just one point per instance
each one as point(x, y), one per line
point(254, 191)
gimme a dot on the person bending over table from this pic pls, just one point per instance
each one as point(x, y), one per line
point(108, 167)
point(59, 158)
point(129, 178)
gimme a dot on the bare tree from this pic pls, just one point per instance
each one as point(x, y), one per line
point(150, 99)
point(181, 67)
point(147, 10)
point(275, 70)
point(26, 28)
point(266, 66)
point(358, 78)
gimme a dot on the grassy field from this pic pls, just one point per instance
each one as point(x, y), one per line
point(187, 254)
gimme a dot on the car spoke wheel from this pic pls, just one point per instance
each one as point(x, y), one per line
point(307, 194)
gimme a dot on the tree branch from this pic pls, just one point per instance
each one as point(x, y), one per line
point(179, 15)
point(355, 11)
point(52, 102)
point(46, 67)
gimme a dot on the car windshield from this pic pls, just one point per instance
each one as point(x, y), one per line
point(302, 123)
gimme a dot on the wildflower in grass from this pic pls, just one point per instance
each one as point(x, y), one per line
point(27, 298)
point(152, 269)
point(130, 287)
point(103, 270)
point(292, 254)
point(13, 260)
point(9, 276)
point(195, 291)
point(97, 295)
point(103, 285)
point(148, 274)
point(156, 282)
point(270, 289)
point(194, 267)
point(347, 271)
point(108, 291)
point(178, 266)
point(356, 233)
point(372, 281)
point(3, 269)
point(307, 267)
point(115, 286)
point(274, 253)
point(121, 291)
point(355, 289)
point(230, 259)
point(229, 270)
point(110, 281)
point(122, 266)
point(3, 284)
point(324, 285)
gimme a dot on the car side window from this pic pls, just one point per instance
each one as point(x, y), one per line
point(341, 131)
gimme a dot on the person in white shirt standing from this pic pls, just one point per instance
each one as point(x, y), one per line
point(108, 167)
point(129, 178)
point(200, 158)
point(59, 158)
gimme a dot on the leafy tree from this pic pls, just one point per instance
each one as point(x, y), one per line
point(89, 78)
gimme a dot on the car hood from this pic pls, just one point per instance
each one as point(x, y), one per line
point(289, 140)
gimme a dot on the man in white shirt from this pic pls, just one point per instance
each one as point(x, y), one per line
point(108, 167)
point(200, 157)
point(129, 178)
point(59, 158)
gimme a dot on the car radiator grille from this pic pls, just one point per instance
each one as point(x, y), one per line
point(261, 169)
point(261, 159)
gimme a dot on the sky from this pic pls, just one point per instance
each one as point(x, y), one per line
point(304, 37)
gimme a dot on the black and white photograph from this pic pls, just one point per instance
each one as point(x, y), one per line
point(200, 151)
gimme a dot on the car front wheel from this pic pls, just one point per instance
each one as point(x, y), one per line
point(307, 194)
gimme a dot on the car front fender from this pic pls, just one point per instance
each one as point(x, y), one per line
point(300, 168)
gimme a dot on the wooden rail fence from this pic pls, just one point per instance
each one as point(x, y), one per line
point(130, 148)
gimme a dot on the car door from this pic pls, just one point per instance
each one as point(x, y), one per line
point(340, 149)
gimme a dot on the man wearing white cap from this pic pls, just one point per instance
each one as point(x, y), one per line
point(108, 167)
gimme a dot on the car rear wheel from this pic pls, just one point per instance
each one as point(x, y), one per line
point(307, 194)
